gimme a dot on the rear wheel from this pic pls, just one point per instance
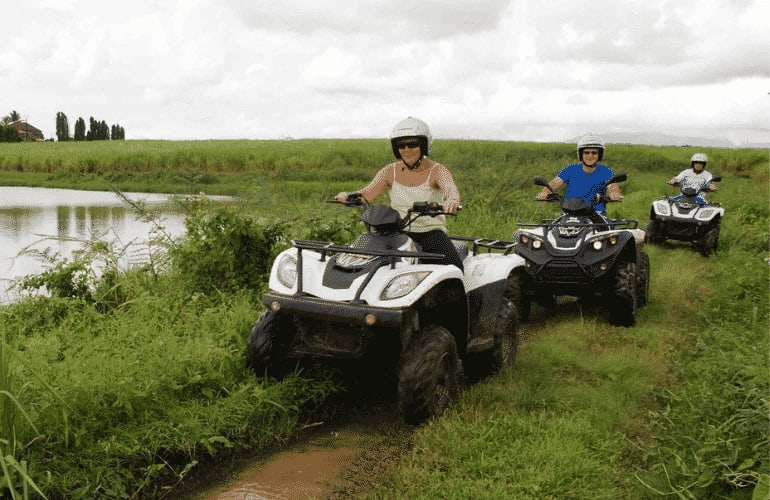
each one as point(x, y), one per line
point(428, 375)
point(514, 291)
point(653, 232)
point(503, 352)
point(623, 303)
point(267, 345)
point(643, 279)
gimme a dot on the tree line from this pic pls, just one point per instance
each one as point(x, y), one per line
point(97, 130)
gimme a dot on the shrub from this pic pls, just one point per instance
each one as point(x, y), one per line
point(223, 251)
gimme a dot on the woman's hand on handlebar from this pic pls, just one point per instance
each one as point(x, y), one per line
point(350, 199)
point(451, 206)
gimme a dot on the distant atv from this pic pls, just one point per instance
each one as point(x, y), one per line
point(687, 218)
point(381, 301)
point(582, 253)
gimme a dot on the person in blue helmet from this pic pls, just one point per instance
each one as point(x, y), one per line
point(586, 178)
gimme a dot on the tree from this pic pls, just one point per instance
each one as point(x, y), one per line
point(15, 116)
point(62, 127)
point(8, 133)
point(80, 129)
point(91, 134)
point(117, 133)
point(104, 131)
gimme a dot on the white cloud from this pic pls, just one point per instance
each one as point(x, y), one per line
point(505, 69)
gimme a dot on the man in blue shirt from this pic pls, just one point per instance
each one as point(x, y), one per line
point(585, 179)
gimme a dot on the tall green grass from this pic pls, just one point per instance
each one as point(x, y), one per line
point(125, 383)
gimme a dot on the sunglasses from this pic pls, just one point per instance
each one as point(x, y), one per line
point(408, 144)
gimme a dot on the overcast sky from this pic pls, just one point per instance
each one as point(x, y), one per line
point(483, 69)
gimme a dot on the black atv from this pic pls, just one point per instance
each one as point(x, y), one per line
point(583, 253)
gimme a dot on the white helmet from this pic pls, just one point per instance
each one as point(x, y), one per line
point(700, 158)
point(590, 141)
point(412, 127)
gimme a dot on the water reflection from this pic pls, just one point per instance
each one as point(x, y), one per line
point(60, 219)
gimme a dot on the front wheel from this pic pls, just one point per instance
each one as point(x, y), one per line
point(623, 303)
point(708, 243)
point(428, 375)
point(266, 348)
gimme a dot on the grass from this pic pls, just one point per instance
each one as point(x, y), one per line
point(132, 381)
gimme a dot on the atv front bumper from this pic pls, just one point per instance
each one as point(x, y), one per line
point(353, 313)
point(340, 330)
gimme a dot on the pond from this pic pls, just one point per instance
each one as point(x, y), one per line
point(60, 220)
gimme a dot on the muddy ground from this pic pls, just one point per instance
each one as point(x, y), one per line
point(344, 457)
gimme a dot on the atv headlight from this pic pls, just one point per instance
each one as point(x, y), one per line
point(287, 270)
point(528, 240)
point(403, 284)
point(705, 214)
point(662, 208)
point(599, 243)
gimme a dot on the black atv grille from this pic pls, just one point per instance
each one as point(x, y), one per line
point(562, 271)
point(326, 338)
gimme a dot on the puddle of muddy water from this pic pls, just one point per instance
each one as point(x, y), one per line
point(333, 460)
point(307, 470)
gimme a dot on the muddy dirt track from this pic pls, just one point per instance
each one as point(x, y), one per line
point(343, 458)
point(339, 459)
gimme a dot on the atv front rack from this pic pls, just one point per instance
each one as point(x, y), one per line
point(325, 248)
point(475, 243)
point(611, 224)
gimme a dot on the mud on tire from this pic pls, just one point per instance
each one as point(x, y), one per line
point(266, 347)
point(428, 375)
point(623, 303)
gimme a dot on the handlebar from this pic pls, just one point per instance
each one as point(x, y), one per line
point(430, 208)
point(353, 200)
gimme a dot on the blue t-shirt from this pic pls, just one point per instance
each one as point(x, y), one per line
point(584, 185)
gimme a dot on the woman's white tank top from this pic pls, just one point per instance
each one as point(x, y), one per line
point(403, 198)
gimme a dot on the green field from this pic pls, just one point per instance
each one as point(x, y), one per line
point(126, 384)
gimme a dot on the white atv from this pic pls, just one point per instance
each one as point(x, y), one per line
point(687, 217)
point(582, 253)
point(381, 301)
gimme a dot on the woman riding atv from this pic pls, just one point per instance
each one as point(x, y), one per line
point(414, 177)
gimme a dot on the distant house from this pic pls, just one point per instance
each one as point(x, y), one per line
point(27, 132)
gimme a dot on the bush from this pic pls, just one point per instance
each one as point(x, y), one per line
point(223, 251)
